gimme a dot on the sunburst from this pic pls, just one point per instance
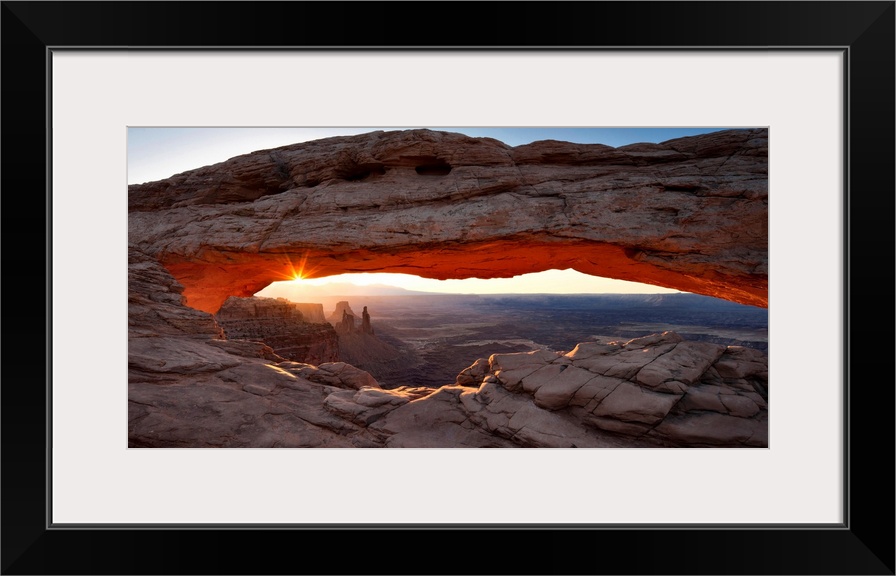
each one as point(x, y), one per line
point(296, 270)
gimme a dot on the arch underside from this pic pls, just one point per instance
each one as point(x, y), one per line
point(689, 214)
point(208, 283)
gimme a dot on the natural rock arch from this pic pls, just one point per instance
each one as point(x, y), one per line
point(690, 214)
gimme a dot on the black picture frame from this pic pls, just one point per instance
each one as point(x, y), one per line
point(864, 544)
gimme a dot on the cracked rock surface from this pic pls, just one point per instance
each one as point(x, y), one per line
point(190, 387)
point(690, 213)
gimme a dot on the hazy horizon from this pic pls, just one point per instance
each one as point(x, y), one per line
point(546, 282)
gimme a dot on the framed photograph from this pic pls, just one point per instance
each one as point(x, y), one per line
point(815, 78)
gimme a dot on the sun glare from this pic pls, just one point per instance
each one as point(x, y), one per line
point(298, 271)
point(547, 282)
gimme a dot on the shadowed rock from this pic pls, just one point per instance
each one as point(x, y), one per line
point(281, 325)
point(688, 214)
point(189, 387)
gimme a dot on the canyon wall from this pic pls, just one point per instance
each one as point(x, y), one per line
point(188, 386)
point(342, 310)
point(690, 214)
point(281, 325)
point(313, 313)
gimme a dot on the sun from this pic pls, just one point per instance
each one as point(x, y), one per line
point(299, 270)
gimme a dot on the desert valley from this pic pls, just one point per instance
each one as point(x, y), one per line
point(217, 357)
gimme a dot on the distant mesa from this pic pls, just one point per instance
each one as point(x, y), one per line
point(342, 308)
point(346, 323)
point(190, 387)
point(256, 307)
point(313, 313)
point(246, 308)
point(656, 391)
point(210, 366)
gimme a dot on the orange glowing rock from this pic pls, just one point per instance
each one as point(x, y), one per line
point(689, 214)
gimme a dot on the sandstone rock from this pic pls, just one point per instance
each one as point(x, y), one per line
point(434, 422)
point(557, 392)
point(632, 403)
point(210, 412)
point(338, 315)
point(676, 373)
point(652, 340)
point(247, 348)
point(251, 308)
point(517, 418)
point(631, 358)
point(740, 362)
point(586, 350)
point(347, 324)
point(473, 374)
point(702, 398)
point(365, 322)
point(187, 388)
point(281, 325)
point(714, 429)
point(741, 406)
point(510, 369)
point(593, 392)
point(156, 304)
point(634, 388)
point(364, 406)
point(689, 214)
point(177, 355)
point(337, 374)
point(250, 401)
point(311, 312)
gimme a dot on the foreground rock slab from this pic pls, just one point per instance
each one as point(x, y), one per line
point(690, 214)
point(189, 386)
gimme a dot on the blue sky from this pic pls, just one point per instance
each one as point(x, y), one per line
point(156, 153)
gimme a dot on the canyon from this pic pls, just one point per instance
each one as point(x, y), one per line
point(209, 367)
point(282, 325)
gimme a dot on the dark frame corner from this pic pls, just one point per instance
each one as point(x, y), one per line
point(864, 30)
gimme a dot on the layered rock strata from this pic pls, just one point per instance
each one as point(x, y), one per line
point(244, 308)
point(313, 313)
point(348, 323)
point(690, 213)
point(342, 310)
point(190, 387)
point(281, 325)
